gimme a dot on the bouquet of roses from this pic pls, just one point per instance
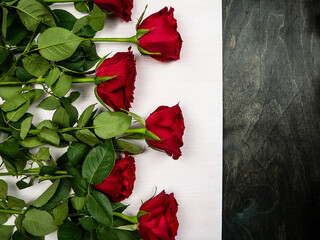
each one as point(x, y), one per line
point(42, 53)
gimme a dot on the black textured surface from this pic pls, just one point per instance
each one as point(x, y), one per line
point(271, 119)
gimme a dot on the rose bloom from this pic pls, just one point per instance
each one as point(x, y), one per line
point(160, 222)
point(117, 92)
point(168, 124)
point(163, 36)
point(120, 8)
point(119, 184)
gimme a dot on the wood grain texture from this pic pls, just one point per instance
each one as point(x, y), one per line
point(271, 119)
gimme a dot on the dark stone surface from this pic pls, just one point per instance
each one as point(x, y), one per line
point(271, 119)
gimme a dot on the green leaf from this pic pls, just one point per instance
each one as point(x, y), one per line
point(4, 217)
point(80, 23)
point(71, 110)
point(62, 86)
point(35, 64)
point(60, 213)
point(69, 231)
point(100, 208)
point(23, 75)
point(68, 137)
point(9, 91)
point(17, 235)
point(43, 154)
point(4, 53)
point(61, 117)
point(97, 18)
point(38, 223)
point(18, 222)
point(6, 231)
point(79, 185)
point(32, 13)
point(50, 103)
point(14, 102)
point(17, 114)
point(25, 126)
point(31, 142)
point(15, 34)
point(86, 136)
point(3, 189)
point(66, 19)
point(50, 136)
point(34, 95)
point(124, 146)
point(73, 96)
point(4, 21)
point(81, 7)
point(47, 124)
point(15, 203)
point(78, 202)
point(57, 44)
point(52, 76)
point(22, 184)
point(77, 152)
point(87, 223)
point(99, 163)
point(61, 193)
point(47, 195)
point(111, 124)
point(10, 149)
point(85, 116)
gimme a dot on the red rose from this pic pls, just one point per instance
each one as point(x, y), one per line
point(160, 222)
point(120, 8)
point(119, 184)
point(163, 36)
point(168, 124)
point(117, 92)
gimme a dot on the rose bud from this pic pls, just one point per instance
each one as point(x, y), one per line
point(117, 92)
point(119, 184)
point(120, 8)
point(160, 220)
point(167, 123)
point(163, 39)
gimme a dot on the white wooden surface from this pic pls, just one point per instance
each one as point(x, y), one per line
point(196, 82)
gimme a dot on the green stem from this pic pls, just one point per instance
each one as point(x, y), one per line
point(42, 80)
point(125, 217)
point(33, 171)
point(141, 130)
point(132, 39)
point(11, 211)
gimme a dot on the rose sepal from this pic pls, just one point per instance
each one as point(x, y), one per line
point(142, 51)
point(141, 17)
point(151, 136)
point(98, 80)
point(141, 32)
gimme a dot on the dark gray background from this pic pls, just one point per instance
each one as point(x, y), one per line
point(271, 119)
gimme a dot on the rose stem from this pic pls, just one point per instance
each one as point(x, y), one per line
point(42, 80)
point(30, 171)
point(36, 131)
point(132, 39)
point(11, 211)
